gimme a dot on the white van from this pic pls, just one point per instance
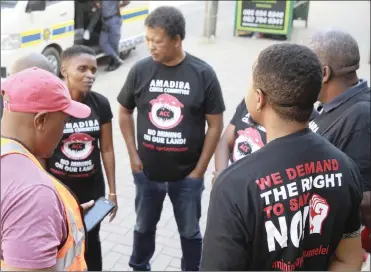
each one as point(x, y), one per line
point(48, 27)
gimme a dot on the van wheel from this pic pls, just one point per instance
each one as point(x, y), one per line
point(54, 58)
point(125, 54)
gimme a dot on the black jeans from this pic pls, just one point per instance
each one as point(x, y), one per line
point(86, 190)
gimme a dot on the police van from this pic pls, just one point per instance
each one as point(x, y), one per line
point(48, 27)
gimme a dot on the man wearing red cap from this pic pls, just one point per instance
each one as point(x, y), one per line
point(41, 222)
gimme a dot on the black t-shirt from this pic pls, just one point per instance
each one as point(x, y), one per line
point(347, 126)
point(77, 156)
point(284, 207)
point(172, 104)
point(249, 136)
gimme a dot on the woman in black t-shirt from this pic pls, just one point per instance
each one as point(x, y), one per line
point(241, 138)
point(77, 159)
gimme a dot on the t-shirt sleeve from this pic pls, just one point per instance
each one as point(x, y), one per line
point(357, 147)
point(126, 97)
point(225, 242)
point(240, 108)
point(214, 102)
point(354, 221)
point(106, 112)
point(33, 228)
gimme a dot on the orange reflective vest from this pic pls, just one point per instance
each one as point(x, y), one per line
point(70, 256)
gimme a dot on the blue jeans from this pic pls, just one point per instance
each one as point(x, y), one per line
point(185, 196)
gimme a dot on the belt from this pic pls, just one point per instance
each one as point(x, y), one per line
point(110, 17)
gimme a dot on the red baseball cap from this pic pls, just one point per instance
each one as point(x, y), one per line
point(35, 90)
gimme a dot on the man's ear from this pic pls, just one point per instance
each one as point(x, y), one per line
point(260, 100)
point(326, 74)
point(63, 71)
point(177, 41)
point(40, 121)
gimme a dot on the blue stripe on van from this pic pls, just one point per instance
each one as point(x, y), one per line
point(134, 14)
point(31, 38)
point(59, 31)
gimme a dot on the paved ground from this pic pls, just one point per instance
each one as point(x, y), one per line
point(232, 59)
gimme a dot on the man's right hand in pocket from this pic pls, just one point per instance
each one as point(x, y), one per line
point(136, 164)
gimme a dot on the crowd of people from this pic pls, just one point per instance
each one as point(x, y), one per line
point(291, 187)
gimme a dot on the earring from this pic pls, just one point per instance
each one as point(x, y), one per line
point(258, 110)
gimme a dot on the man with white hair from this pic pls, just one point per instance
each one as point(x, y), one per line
point(345, 115)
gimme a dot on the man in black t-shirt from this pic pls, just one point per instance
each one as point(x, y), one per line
point(293, 204)
point(175, 94)
point(345, 115)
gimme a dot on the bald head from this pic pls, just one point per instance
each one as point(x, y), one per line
point(336, 49)
point(25, 62)
point(32, 60)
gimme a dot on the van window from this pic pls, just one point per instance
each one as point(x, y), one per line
point(8, 4)
point(51, 2)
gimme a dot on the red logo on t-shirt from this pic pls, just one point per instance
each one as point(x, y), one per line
point(78, 146)
point(248, 141)
point(166, 112)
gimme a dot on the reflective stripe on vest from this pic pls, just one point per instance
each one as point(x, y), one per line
point(71, 256)
point(79, 239)
point(8, 147)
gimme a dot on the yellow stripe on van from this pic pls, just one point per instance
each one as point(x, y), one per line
point(60, 36)
point(136, 18)
point(33, 43)
point(133, 10)
point(64, 24)
point(66, 29)
point(134, 14)
point(31, 32)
